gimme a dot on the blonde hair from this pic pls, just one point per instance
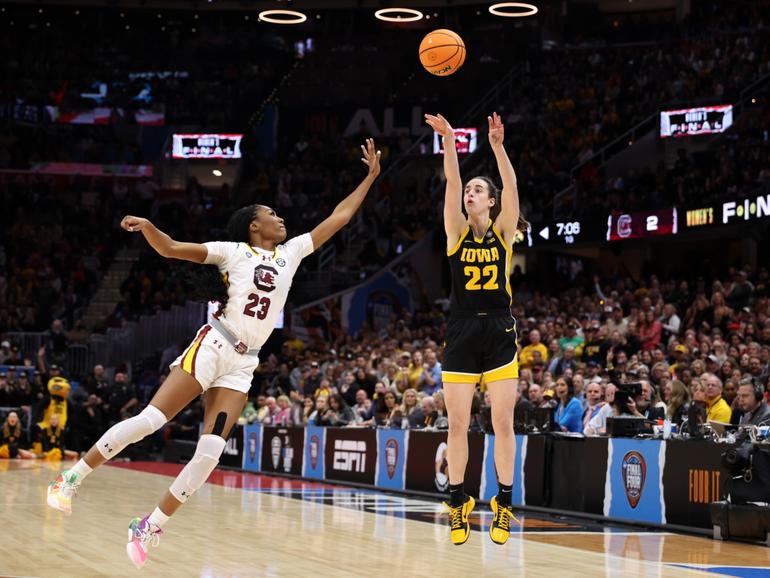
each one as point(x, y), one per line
point(679, 396)
point(403, 408)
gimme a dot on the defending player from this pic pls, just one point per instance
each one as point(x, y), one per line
point(481, 333)
point(258, 271)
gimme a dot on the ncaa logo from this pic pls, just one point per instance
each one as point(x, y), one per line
point(280, 262)
point(391, 457)
point(252, 446)
point(314, 445)
point(634, 471)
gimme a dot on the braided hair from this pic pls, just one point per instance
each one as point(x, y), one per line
point(209, 282)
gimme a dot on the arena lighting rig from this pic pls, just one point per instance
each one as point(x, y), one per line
point(501, 9)
point(387, 14)
point(283, 16)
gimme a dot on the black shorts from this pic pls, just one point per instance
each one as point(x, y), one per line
point(480, 346)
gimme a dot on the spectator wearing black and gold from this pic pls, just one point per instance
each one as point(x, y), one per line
point(50, 441)
point(527, 354)
point(12, 439)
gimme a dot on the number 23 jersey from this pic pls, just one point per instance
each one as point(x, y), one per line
point(258, 283)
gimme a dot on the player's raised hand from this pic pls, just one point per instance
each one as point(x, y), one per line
point(496, 130)
point(371, 158)
point(133, 224)
point(441, 125)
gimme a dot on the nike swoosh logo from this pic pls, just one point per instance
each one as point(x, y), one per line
point(509, 330)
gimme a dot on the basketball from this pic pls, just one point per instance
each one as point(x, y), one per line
point(442, 52)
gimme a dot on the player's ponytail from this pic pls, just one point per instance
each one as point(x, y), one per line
point(208, 281)
point(239, 222)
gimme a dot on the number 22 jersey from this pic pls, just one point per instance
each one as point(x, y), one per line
point(480, 271)
point(258, 283)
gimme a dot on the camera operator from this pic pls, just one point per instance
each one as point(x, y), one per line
point(641, 405)
point(753, 405)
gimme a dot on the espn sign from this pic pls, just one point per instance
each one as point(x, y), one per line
point(349, 456)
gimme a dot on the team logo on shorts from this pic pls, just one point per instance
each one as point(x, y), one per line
point(280, 262)
point(634, 471)
point(391, 457)
point(315, 444)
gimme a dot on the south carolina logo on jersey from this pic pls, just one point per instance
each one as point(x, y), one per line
point(264, 277)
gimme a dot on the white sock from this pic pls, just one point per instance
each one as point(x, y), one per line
point(82, 469)
point(158, 518)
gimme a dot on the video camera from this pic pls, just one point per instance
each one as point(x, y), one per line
point(626, 392)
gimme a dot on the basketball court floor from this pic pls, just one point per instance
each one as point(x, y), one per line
point(244, 525)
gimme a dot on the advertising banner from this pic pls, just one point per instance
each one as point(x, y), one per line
point(692, 479)
point(232, 456)
point(315, 443)
point(489, 473)
point(426, 465)
point(634, 481)
point(252, 447)
point(391, 458)
point(351, 455)
point(282, 450)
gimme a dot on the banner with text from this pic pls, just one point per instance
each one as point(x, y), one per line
point(315, 444)
point(282, 450)
point(391, 458)
point(634, 480)
point(351, 455)
point(252, 447)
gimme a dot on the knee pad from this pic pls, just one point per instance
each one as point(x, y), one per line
point(197, 471)
point(130, 431)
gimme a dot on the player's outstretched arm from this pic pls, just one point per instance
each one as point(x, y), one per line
point(454, 220)
point(509, 198)
point(162, 243)
point(345, 210)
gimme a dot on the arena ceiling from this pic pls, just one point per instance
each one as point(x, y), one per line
point(608, 6)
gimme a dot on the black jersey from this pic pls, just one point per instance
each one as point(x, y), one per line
point(480, 271)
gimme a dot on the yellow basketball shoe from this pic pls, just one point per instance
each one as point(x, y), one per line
point(458, 520)
point(500, 528)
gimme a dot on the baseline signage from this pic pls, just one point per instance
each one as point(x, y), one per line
point(426, 464)
point(313, 465)
point(351, 455)
point(693, 478)
point(252, 447)
point(695, 121)
point(282, 450)
point(634, 480)
point(489, 481)
point(391, 458)
point(206, 146)
point(232, 456)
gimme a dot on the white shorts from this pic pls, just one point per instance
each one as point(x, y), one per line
point(213, 362)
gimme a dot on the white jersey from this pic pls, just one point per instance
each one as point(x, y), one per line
point(258, 283)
